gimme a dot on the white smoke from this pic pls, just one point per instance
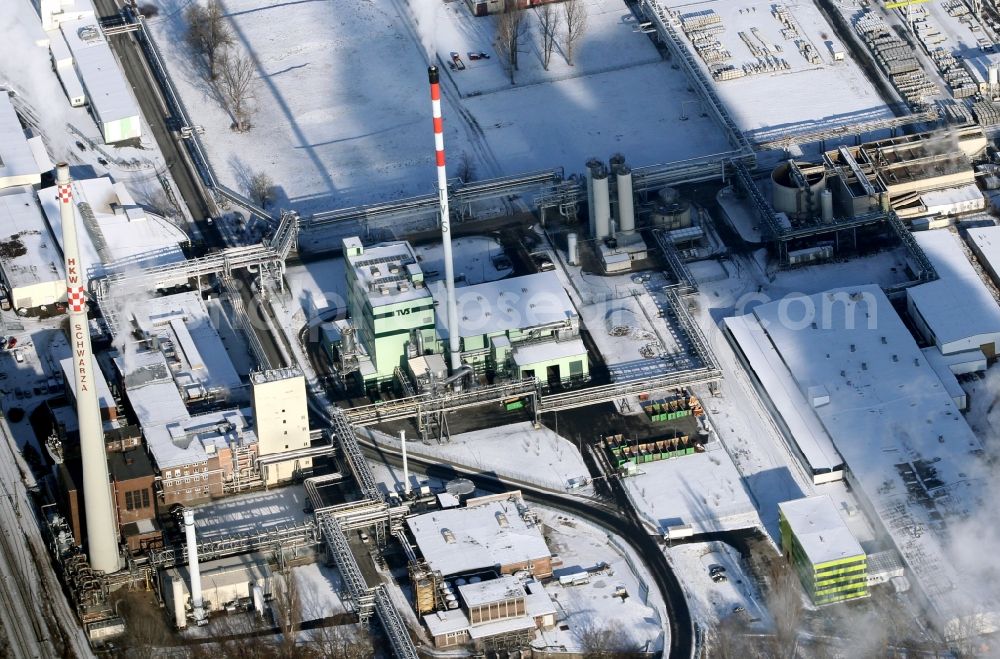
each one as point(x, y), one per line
point(28, 71)
point(424, 13)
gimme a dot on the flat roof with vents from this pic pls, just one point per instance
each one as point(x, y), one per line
point(515, 303)
point(821, 532)
point(460, 540)
point(387, 273)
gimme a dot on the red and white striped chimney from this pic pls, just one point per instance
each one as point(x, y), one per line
point(449, 265)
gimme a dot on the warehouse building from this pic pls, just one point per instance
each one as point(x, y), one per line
point(495, 533)
point(985, 244)
point(825, 554)
point(957, 313)
point(521, 327)
point(226, 582)
point(83, 61)
point(909, 455)
point(30, 260)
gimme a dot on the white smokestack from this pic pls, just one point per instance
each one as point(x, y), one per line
point(406, 472)
point(192, 552)
point(99, 508)
point(449, 265)
point(626, 206)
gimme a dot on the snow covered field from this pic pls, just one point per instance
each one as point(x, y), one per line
point(343, 104)
point(318, 589)
point(517, 451)
point(702, 489)
point(832, 92)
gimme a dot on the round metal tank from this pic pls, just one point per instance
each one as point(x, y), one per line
point(572, 249)
point(676, 215)
point(461, 488)
point(786, 195)
point(602, 205)
point(475, 579)
point(668, 196)
point(826, 206)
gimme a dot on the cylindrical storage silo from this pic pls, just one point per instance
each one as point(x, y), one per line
point(593, 165)
point(826, 206)
point(626, 206)
point(572, 249)
point(602, 205)
point(796, 188)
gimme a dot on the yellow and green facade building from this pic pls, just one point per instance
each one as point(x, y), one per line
point(827, 557)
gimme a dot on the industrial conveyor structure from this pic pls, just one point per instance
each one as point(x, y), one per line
point(267, 257)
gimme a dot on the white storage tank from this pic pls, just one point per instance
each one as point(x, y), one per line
point(626, 207)
point(572, 249)
point(593, 166)
point(602, 205)
point(826, 206)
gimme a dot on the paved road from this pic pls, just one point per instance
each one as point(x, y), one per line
point(145, 90)
point(626, 525)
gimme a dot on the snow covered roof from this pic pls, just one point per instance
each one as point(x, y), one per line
point(117, 230)
point(108, 93)
point(516, 303)
point(986, 241)
point(440, 623)
point(915, 461)
point(503, 626)
point(17, 162)
point(194, 439)
point(957, 307)
point(150, 388)
point(104, 397)
point(476, 537)
point(492, 591)
point(533, 353)
point(819, 529)
point(789, 400)
point(387, 273)
point(28, 253)
point(185, 331)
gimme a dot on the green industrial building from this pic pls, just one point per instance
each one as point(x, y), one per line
point(828, 558)
point(389, 305)
point(520, 327)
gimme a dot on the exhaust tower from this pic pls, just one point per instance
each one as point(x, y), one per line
point(449, 265)
point(102, 529)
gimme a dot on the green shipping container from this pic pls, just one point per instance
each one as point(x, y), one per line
point(516, 405)
point(689, 450)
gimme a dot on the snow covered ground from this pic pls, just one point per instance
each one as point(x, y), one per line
point(713, 602)
point(318, 588)
point(517, 451)
point(834, 93)
point(640, 616)
point(362, 132)
point(702, 489)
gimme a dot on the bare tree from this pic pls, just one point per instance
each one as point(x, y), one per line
point(784, 598)
point(236, 82)
point(575, 13)
point(287, 609)
point(208, 33)
point(606, 642)
point(340, 642)
point(261, 188)
point(548, 20)
point(511, 29)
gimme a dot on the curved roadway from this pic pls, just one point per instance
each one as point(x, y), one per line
point(627, 526)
